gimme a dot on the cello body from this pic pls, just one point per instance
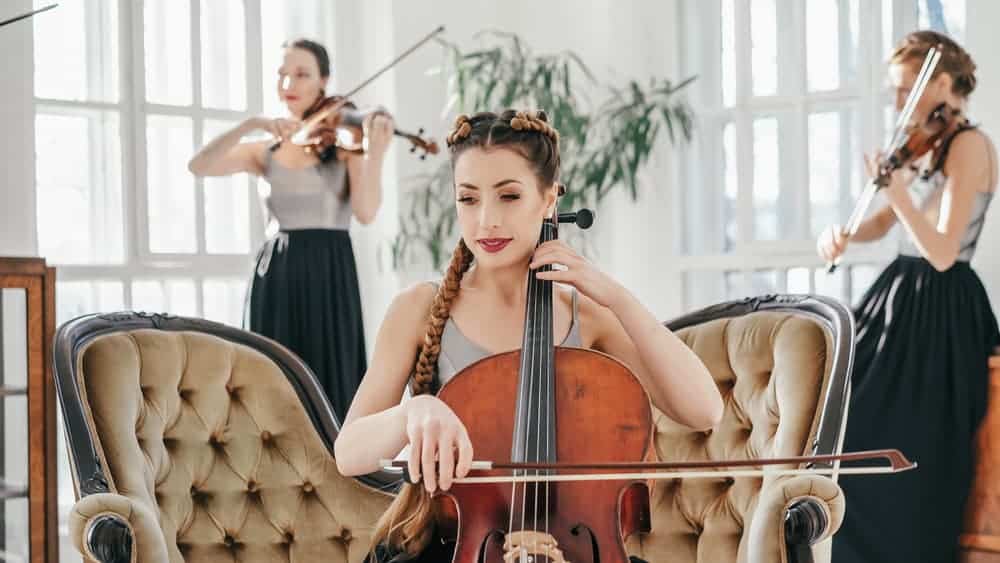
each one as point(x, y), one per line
point(602, 413)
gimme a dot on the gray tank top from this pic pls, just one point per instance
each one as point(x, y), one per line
point(927, 188)
point(458, 352)
point(306, 198)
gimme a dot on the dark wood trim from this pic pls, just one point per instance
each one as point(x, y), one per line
point(38, 281)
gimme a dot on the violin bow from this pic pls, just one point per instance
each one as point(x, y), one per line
point(300, 136)
point(27, 15)
point(615, 471)
point(898, 138)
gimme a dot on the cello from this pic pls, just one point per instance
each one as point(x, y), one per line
point(576, 425)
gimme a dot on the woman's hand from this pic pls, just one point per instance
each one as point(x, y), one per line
point(832, 242)
point(579, 272)
point(435, 434)
point(378, 129)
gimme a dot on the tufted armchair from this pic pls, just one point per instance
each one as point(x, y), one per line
point(192, 441)
point(782, 364)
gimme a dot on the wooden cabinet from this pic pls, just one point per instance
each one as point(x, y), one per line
point(28, 511)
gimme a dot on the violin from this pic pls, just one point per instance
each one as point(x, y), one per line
point(336, 123)
point(577, 426)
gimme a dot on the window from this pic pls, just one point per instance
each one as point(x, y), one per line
point(125, 93)
point(789, 94)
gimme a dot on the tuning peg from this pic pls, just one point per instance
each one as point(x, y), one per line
point(421, 131)
point(583, 218)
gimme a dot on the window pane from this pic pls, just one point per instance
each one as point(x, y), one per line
point(824, 170)
point(729, 216)
point(735, 287)
point(167, 32)
point(798, 281)
point(171, 186)
point(181, 298)
point(77, 298)
point(76, 51)
point(224, 301)
point(227, 207)
point(946, 16)
point(766, 178)
point(15, 467)
point(175, 297)
point(888, 39)
point(78, 179)
point(728, 52)
point(223, 54)
point(763, 282)
point(831, 285)
point(823, 44)
point(862, 277)
point(764, 51)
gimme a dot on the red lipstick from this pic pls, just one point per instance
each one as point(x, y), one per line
point(493, 245)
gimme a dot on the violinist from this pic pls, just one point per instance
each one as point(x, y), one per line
point(304, 292)
point(925, 328)
point(506, 178)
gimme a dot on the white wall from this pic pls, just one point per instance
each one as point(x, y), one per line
point(17, 144)
point(984, 46)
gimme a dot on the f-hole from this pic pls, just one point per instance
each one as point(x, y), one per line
point(595, 551)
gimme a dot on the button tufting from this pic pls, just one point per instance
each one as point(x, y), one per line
point(229, 541)
point(252, 486)
point(265, 436)
point(307, 487)
point(345, 535)
point(289, 536)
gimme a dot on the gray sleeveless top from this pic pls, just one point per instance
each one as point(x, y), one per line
point(928, 186)
point(307, 198)
point(458, 352)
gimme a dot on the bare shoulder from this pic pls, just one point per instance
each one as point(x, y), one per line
point(411, 306)
point(970, 151)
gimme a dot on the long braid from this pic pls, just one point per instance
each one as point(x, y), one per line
point(426, 366)
point(407, 524)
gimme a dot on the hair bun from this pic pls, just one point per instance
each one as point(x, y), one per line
point(460, 130)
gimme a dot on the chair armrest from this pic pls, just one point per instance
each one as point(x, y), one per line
point(112, 528)
point(792, 515)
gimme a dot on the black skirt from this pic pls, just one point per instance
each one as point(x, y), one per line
point(305, 296)
point(919, 385)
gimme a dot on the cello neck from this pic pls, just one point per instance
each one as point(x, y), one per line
point(534, 416)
